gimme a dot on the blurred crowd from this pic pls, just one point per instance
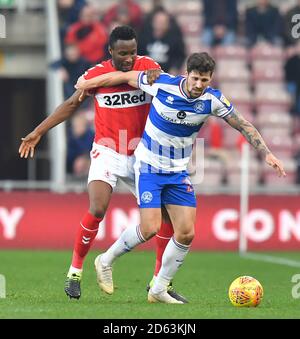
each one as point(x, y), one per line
point(258, 68)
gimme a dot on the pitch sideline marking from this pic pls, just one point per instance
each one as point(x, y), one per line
point(2, 286)
point(271, 259)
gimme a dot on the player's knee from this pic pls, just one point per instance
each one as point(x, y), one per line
point(185, 237)
point(148, 234)
point(149, 231)
point(97, 211)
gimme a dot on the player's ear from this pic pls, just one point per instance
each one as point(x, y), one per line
point(110, 50)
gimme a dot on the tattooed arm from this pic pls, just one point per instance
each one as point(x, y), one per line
point(237, 121)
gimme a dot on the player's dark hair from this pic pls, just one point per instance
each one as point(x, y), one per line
point(121, 33)
point(201, 62)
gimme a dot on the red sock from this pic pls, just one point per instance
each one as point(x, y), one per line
point(162, 238)
point(85, 236)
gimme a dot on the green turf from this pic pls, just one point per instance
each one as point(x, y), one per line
point(35, 287)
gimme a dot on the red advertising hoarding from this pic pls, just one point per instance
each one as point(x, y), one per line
point(43, 220)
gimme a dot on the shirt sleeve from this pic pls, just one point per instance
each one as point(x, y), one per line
point(151, 64)
point(94, 72)
point(143, 85)
point(221, 106)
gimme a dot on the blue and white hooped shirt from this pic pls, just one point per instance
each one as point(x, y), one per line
point(174, 121)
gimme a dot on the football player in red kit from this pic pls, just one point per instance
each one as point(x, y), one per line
point(120, 116)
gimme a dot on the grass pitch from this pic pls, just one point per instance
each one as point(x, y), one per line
point(35, 287)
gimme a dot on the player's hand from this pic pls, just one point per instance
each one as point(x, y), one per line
point(276, 164)
point(84, 94)
point(152, 75)
point(28, 144)
point(81, 83)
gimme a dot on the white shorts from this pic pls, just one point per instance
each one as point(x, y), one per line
point(110, 167)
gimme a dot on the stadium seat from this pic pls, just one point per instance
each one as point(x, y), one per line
point(280, 143)
point(228, 73)
point(231, 63)
point(190, 24)
point(228, 70)
point(233, 171)
point(188, 7)
point(193, 45)
point(266, 51)
point(248, 115)
point(245, 109)
point(229, 86)
point(271, 107)
point(239, 96)
point(267, 70)
point(273, 120)
point(270, 86)
point(279, 98)
point(230, 52)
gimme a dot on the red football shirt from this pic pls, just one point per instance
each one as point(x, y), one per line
point(120, 111)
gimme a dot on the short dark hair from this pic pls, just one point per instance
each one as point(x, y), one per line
point(121, 33)
point(201, 62)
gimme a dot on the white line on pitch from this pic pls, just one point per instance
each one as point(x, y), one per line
point(271, 259)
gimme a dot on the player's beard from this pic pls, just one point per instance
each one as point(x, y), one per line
point(123, 67)
point(195, 93)
point(126, 68)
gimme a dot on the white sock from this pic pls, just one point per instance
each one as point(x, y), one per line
point(74, 270)
point(130, 238)
point(172, 259)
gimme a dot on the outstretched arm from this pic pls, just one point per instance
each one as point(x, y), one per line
point(109, 79)
point(62, 113)
point(237, 121)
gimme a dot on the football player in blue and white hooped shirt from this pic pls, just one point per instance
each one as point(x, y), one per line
point(180, 106)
